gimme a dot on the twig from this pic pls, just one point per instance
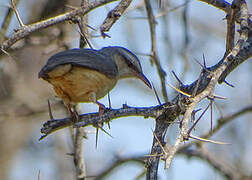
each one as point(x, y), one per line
point(210, 87)
point(113, 16)
point(6, 23)
point(28, 29)
point(156, 94)
point(118, 162)
point(21, 24)
point(93, 118)
point(230, 30)
point(215, 162)
point(221, 122)
point(186, 42)
point(78, 154)
point(152, 25)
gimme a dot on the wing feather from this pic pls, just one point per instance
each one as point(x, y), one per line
point(87, 58)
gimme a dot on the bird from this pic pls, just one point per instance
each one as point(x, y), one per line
point(87, 75)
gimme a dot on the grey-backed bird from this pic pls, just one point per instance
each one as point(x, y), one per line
point(86, 75)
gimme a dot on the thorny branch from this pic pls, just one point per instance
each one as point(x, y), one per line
point(214, 76)
point(94, 118)
point(165, 114)
point(220, 123)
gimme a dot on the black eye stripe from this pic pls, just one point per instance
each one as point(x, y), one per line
point(132, 66)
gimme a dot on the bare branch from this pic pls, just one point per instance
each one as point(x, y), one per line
point(208, 91)
point(114, 15)
point(216, 163)
point(28, 29)
point(78, 154)
point(21, 24)
point(119, 161)
point(6, 23)
point(152, 25)
point(93, 118)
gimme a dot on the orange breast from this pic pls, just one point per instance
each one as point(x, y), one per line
point(77, 83)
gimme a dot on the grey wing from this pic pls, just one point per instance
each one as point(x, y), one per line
point(88, 58)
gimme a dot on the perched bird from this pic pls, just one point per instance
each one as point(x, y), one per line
point(86, 75)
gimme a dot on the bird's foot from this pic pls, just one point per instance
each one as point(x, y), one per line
point(102, 108)
point(75, 116)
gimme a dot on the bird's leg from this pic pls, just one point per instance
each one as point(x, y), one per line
point(73, 113)
point(102, 108)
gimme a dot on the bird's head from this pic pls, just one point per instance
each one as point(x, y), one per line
point(127, 63)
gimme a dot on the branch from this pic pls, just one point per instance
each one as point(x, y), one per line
point(215, 162)
point(208, 91)
point(245, 53)
point(113, 16)
point(93, 118)
point(28, 29)
point(222, 121)
point(78, 154)
point(118, 162)
point(6, 22)
point(154, 56)
point(80, 133)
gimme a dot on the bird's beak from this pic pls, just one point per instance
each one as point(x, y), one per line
point(144, 79)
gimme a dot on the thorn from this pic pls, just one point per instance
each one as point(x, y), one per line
point(193, 114)
point(109, 101)
point(96, 137)
point(204, 60)
point(227, 83)
point(179, 91)
point(90, 27)
point(211, 116)
point(13, 6)
point(104, 35)
point(219, 97)
point(106, 132)
point(189, 131)
point(125, 106)
point(156, 94)
point(50, 110)
point(109, 125)
point(160, 144)
point(203, 66)
point(208, 140)
point(8, 54)
point(42, 137)
point(81, 32)
point(180, 82)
